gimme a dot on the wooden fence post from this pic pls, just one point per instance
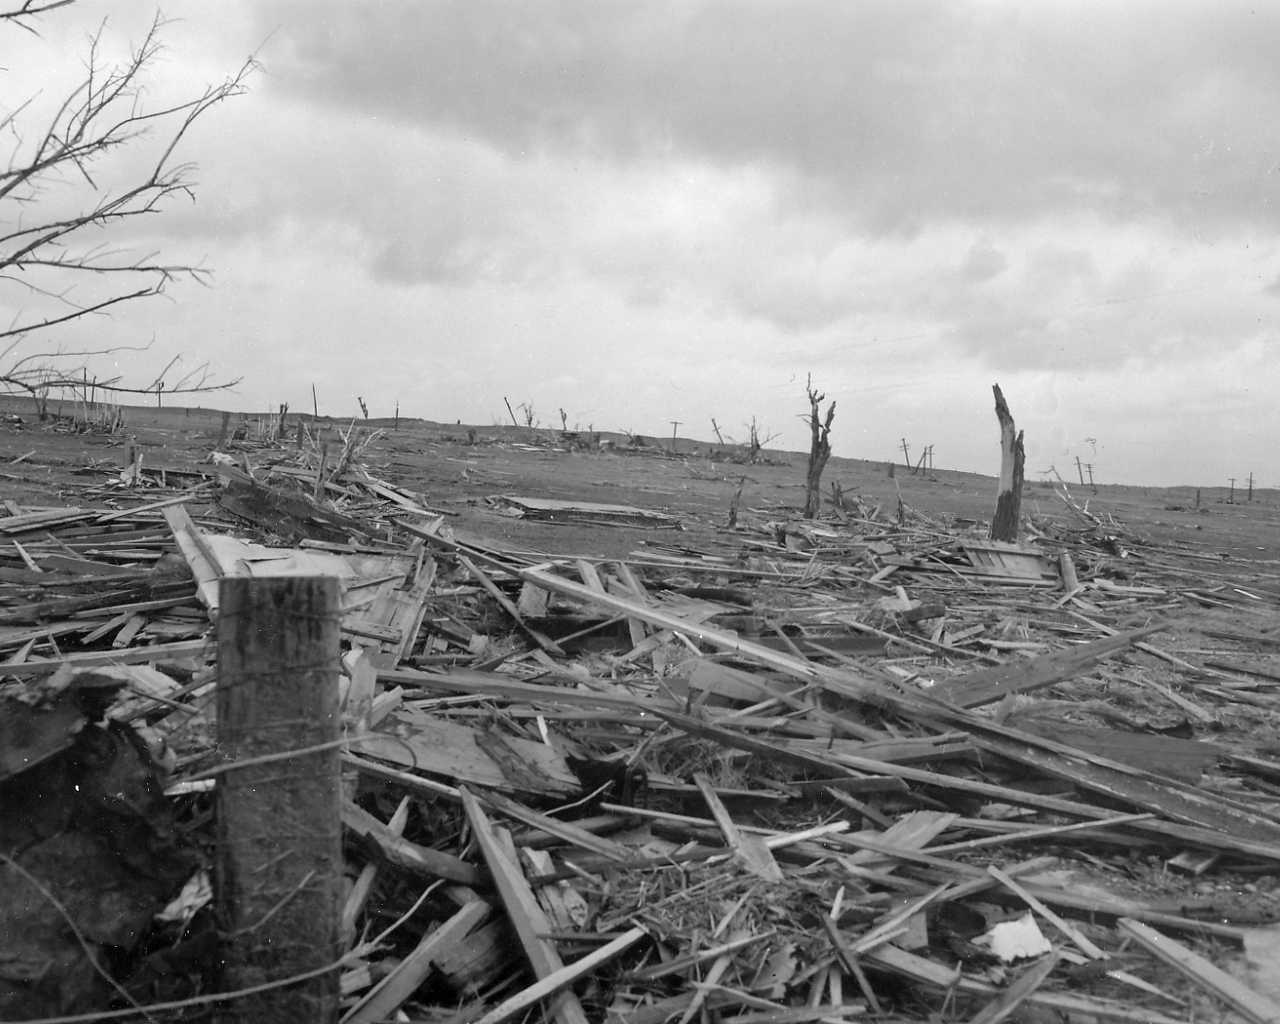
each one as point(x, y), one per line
point(279, 831)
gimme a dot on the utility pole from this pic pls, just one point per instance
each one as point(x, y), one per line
point(1251, 487)
point(1080, 470)
point(717, 430)
point(906, 455)
point(929, 452)
point(1089, 469)
point(675, 425)
point(1231, 498)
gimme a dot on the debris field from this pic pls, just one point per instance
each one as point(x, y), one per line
point(869, 766)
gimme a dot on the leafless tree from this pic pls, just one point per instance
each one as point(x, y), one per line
point(819, 449)
point(55, 213)
point(755, 441)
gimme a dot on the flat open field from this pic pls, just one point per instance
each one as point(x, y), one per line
point(696, 484)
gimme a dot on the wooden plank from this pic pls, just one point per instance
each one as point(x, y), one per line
point(912, 831)
point(1244, 1000)
point(1008, 1001)
point(749, 850)
point(564, 830)
point(917, 968)
point(1069, 930)
point(44, 520)
point(527, 916)
point(204, 567)
point(991, 684)
point(1189, 835)
point(289, 516)
point(394, 617)
point(451, 750)
point(553, 510)
point(1179, 759)
point(128, 631)
point(467, 681)
point(359, 893)
point(417, 783)
point(543, 641)
point(386, 997)
point(421, 860)
point(557, 980)
point(81, 566)
point(411, 608)
point(629, 580)
point(1133, 787)
point(133, 656)
point(713, 637)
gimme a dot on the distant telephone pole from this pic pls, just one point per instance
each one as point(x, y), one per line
point(1251, 487)
point(906, 455)
point(675, 425)
point(1232, 496)
point(1080, 470)
point(1088, 466)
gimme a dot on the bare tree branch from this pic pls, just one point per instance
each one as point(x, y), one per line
point(31, 9)
point(53, 253)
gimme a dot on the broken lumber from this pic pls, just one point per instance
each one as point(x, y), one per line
point(1244, 1000)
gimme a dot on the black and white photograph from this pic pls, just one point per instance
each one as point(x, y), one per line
point(639, 511)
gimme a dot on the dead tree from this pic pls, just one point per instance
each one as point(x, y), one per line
point(755, 441)
point(819, 449)
point(55, 267)
point(1004, 524)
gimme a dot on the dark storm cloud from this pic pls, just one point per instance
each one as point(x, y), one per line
point(906, 111)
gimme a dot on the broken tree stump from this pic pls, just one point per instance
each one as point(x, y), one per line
point(279, 870)
point(1004, 524)
point(819, 450)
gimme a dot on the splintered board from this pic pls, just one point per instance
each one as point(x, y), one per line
point(996, 558)
point(551, 511)
point(471, 757)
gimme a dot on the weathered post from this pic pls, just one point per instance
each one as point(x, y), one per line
point(1004, 524)
point(279, 830)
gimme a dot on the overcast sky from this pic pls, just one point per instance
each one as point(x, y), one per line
point(647, 212)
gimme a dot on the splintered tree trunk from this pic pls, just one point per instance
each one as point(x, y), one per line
point(817, 463)
point(1004, 524)
point(819, 450)
point(279, 854)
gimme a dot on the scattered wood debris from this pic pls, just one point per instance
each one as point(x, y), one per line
point(870, 765)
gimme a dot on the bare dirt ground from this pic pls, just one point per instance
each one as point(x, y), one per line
point(695, 483)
